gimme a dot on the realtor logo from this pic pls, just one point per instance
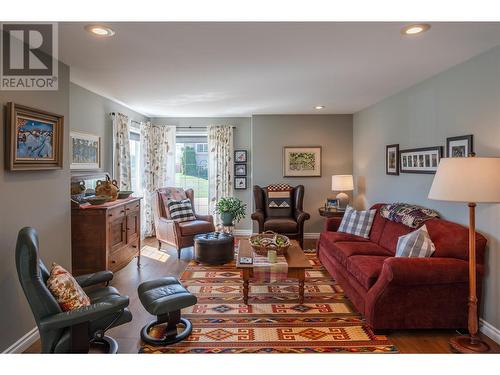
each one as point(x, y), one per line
point(29, 56)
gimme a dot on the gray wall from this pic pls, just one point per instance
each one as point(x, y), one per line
point(90, 113)
point(333, 132)
point(33, 198)
point(462, 100)
point(242, 141)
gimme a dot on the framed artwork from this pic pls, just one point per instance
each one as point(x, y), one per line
point(392, 160)
point(302, 161)
point(332, 203)
point(240, 156)
point(240, 183)
point(85, 151)
point(420, 160)
point(240, 169)
point(34, 139)
point(460, 147)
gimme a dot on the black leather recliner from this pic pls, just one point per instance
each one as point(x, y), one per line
point(70, 331)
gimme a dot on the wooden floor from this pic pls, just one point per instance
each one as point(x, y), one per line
point(127, 280)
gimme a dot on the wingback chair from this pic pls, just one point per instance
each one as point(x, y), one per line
point(69, 331)
point(177, 234)
point(288, 221)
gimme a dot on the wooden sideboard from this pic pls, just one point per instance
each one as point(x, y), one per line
point(105, 237)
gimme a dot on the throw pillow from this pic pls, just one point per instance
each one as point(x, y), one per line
point(417, 244)
point(181, 210)
point(63, 286)
point(279, 196)
point(358, 223)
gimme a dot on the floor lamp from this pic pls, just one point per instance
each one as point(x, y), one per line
point(470, 180)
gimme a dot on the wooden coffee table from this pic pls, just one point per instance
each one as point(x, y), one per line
point(295, 257)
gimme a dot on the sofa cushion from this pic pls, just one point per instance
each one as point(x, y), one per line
point(417, 244)
point(281, 225)
point(341, 251)
point(365, 268)
point(190, 228)
point(378, 224)
point(391, 233)
point(356, 222)
point(328, 238)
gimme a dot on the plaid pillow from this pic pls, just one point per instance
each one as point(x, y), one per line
point(358, 223)
point(181, 210)
point(417, 244)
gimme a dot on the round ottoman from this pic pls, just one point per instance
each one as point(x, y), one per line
point(214, 248)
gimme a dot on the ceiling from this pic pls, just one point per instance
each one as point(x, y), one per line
point(240, 69)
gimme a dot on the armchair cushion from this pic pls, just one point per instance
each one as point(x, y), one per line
point(281, 225)
point(190, 228)
point(66, 290)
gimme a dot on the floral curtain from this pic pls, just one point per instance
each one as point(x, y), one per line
point(158, 167)
point(121, 151)
point(220, 164)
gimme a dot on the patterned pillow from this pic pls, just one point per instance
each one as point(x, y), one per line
point(181, 210)
point(65, 289)
point(358, 223)
point(410, 215)
point(279, 196)
point(417, 244)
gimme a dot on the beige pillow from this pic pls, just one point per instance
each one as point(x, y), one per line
point(63, 286)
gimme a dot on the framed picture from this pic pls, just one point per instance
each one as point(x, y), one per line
point(420, 160)
point(240, 169)
point(85, 151)
point(460, 147)
point(34, 139)
point(332, 203)
point(240, 156)
point(240, 183)
point(302, 161)
point(392, 160)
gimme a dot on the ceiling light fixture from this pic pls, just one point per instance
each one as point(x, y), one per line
point(100, 30)
point(318, 107)
point(415, 29)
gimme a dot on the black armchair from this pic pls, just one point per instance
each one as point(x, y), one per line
point(70, 331)
point(287, 221)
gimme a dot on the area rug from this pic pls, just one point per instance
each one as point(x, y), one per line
point(274, 321)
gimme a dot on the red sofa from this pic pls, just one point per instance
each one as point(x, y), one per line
point(403, 293)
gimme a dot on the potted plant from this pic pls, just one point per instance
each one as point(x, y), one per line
point(231, 210)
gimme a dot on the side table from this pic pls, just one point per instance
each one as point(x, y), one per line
point(330, 212)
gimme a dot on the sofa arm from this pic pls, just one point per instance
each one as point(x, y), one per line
point(332, 224)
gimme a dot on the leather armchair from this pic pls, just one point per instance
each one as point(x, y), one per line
point(173, 233)
point(69, 331)
point(289, 222)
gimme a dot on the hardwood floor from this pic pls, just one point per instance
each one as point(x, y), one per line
point(127, 280)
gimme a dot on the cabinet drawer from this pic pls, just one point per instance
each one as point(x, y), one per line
point(121, 257)
point(116, 213)
point(132, 207)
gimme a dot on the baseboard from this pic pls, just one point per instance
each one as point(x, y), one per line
point(23, 343)
point(311, 236)
point(489, 330)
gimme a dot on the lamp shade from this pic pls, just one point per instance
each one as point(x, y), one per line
point(342, 182)
point(474, 180)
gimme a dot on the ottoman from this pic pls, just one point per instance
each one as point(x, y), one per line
point(165, 298)
point(214, 248)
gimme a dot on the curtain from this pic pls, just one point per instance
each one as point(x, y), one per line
point(121, 151)
point(220, 164)
point(158, 167)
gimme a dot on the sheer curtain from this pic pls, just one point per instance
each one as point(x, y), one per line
point(220, 164)
point(121, 151)
point(158, 167)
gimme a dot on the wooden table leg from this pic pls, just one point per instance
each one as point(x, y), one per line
point(246, 280)
point(302, 277)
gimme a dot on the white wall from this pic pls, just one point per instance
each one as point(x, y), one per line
point(462, 100)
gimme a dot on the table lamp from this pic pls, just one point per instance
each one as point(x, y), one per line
point(470, 180)
point(341, 183)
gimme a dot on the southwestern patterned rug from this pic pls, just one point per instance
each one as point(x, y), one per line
point(273, 322)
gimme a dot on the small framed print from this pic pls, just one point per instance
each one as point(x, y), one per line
point(85, 151)
point(332, 203)
point(240, 183)
point(392, 160)
point(240, 169)
point(240, 156)
point(460, 147)
point(420, 160)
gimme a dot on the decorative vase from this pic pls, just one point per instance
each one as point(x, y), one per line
point(227, 219)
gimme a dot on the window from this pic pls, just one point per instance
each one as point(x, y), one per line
point(135, 161)
point(191, 167)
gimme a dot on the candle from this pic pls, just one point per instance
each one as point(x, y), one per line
point(271, 256)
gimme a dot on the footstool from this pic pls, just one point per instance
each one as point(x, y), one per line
point(165, 298)
point(214, 248)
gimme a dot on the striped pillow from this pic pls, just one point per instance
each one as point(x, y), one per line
point(358, 223)
point(181, 210)
point(417, 244)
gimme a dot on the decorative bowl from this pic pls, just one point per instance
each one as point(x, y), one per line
point(122, 194)
point(269, 240)
point(99, 199)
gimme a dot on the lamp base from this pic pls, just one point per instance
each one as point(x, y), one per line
point(465, 344)
point(343, 199)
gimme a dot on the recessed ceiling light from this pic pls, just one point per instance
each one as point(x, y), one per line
point(415, 29)
point(318, 107)
point(100, 30)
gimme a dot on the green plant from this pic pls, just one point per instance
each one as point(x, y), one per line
point(231, 205)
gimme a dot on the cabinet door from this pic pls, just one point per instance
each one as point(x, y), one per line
point(133, 224)
point(117, 233)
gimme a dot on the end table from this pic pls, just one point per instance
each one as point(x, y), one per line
point(330, 212)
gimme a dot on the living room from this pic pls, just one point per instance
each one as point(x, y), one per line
point(250, 187)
